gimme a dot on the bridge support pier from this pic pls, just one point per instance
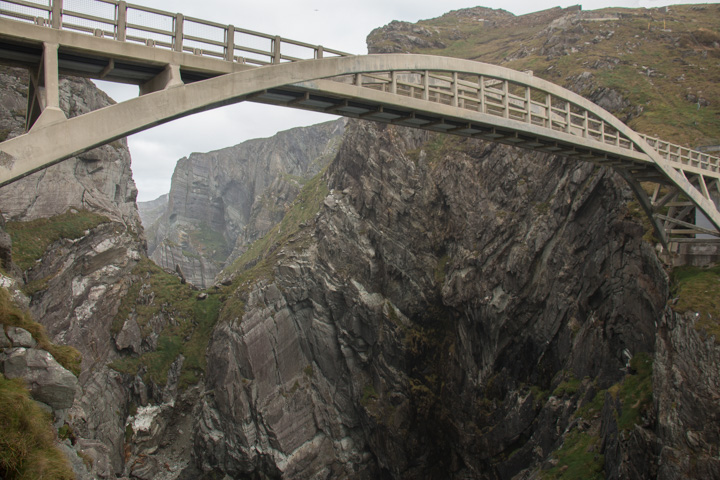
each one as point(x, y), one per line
point(170, 77)
point(44, 91)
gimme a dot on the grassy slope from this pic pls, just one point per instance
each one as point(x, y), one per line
point(27, 440)
point(680, 49)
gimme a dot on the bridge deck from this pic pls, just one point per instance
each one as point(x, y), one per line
point(157, 50)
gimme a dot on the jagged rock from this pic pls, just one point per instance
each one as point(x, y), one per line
point(4, 341)
point(47, 380)
point(97, 453)
point(19, 337)
point(77, 463)
point(130, 336)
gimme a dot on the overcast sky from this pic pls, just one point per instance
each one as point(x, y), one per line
point(341, 25)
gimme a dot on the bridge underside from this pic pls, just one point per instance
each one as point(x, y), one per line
point(440, 94)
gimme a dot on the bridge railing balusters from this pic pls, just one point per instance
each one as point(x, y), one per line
point(139, 24)
point(56, 14)
point(121, 21)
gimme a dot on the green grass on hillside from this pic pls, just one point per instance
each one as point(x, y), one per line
point(580, 455)
point(656, 60)
point(31, 239)
point(27, 440)
point(698, 290)
point(187, 333)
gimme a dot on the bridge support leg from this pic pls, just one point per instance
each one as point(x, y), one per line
point(170, 77)
point(43, 92)
point(646, 205)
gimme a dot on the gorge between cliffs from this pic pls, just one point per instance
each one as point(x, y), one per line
point(355, 300)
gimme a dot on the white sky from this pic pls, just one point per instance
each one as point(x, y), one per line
point(340, 25)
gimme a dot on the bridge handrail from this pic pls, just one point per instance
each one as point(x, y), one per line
point(129, 23)
point(523, 102)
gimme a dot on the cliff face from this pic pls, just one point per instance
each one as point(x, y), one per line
point(75, 287)
point(428, 307)
point(222, 201)
point(442, 298)
point(99, 180)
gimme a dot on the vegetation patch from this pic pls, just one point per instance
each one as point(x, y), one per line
point(157, 293)
point(635, 391)
point(27, 442)
point(579, 458)
point(567, 387)
point(698, 290)
point(12, 316)
point(31, 239)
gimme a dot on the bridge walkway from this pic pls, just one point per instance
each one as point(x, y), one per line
point(185, 65)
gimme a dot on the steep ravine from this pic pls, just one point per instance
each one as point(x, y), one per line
point(429, 307)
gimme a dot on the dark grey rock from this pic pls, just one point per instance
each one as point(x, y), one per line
point(4, 340)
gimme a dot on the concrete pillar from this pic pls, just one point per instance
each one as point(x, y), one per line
point(319, 51)
point(170, 77)
point(44, 97)
point(178, 35)
point(121, 25)
point(276, 50)
point(56, 16)
point(230, 43)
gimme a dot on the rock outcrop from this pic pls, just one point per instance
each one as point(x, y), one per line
point(222, 201)
point(99, 180)
point(47, 380)
point(440, 291)
point(433, 307)
point(78, 284)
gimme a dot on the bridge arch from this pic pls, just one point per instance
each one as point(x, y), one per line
point(442, 94)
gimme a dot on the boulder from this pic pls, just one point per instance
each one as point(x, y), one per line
point(4, 341)
point(47, 380)
point(19, 337)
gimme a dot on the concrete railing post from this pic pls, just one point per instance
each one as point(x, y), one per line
point(454, 100)
point(393, 82)
point(506, 100)
point(528, 105)
point(548, 110)
point(56, 19)
point(230, 43)
point(319, 52)
point(567, 117)
point(276, 50)
point(481, 93)
point(426, 85)
point(178, 35)
point(121, 21)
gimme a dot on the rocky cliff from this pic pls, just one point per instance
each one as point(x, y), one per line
point(76, 236)
point(222, 201)
point(428, 307)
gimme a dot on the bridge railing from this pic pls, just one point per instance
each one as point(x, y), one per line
point(523, 103)
point(127, 22)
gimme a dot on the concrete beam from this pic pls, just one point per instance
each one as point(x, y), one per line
point(170, 77)
point(49, 144)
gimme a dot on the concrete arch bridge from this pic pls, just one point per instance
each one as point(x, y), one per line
point(186, 65)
